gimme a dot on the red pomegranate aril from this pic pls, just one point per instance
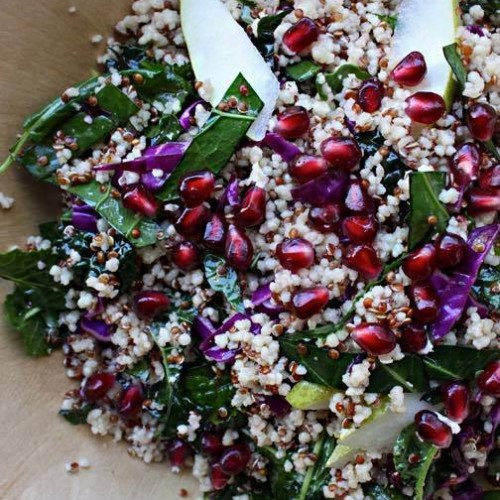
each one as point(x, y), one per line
point(456, 401)
point(466, 163)
point(218, 478)
point(97, 386)
point(234, 460)
point(364, 259)
point(357, 199)
point(295, 254)
point(304, 168)
point(239, 248)
point(425, 303)
point(211, 443)
point(411, 70)
point(130, 405)
point(192, 221)
point(341, 152)
point(450, 250)
point(481, 119)
point(360, 228)
point(196, 187)
point(413, 338)
point(215, 233)
point(425, 107)
point(373, 338)
point(490, 179)
point(293, 123)
point(252, 211)
point(489, 380)
point(370, 95)
point(483, 200)
point(150, 303)
point(326, 219)
point(301, 35)
point(433, 430)
point(420, 264)
point(310, 301)
point(186, 255)
point(140, 201)
point(178, 452)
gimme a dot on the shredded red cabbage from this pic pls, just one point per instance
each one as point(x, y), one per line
point(84, 218)
point(263, 302)
point(329, 188)
point(231, 195)
point(286, 149)
point(97, 328)
point(187, 114)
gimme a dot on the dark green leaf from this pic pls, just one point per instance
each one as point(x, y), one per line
point(140, 371)
point(303, 71)
point(490, 7)
point(336, 79)
point(487, 286)
point(265, 33)
point(425, 188)
point(224, 279)
point(390, 20)
point(456, 64)
point(218, 139)
point(491, 147)
point(111, 99)
point(284, 485)
point(167, 129)
point(377, 492)
point(76, 416)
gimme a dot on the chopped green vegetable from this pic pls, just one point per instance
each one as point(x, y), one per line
point(303, 71)
point(336, 79)
point(265, 33)
point(390, 20)
point(456, 64)
point(284, 485)
point(76, 416)
point(487, 286)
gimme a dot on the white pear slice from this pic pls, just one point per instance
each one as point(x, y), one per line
point(427, 26)
point(220, 49)
point(379, 432)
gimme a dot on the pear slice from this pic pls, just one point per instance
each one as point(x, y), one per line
point(309, 396)
point(379, 432)
point(220, 49)
point(427, 26)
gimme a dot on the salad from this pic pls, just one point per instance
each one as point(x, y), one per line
point(277, 260)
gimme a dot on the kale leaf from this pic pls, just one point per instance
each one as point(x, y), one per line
point(487, 286)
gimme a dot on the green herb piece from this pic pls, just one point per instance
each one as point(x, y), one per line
point(224, 279)
point(167, 129)
point(413, 472)
point(140, 371)
point(76, 416)
point(456, 64)
point(284, 485)
point(265, 33)
point(390, 20)
point(425, 188)
point(487, 286)
point(491, 147)
point(115, 102)
point(218, 139)
point(377, 492)
point(112, 209)
point(336, 79)
point(303, 71)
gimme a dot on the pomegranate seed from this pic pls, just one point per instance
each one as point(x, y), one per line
point(456, 401)
point(370, 95)
point(411, 70)
point(481, 119)
point(413, 338)
point(192, 221)
point(490, 179)
point(364, 259)
point(420, 264)
point(425, 302)
point(293, 123)
point(196, 187)
point(489, 380)
point(357, 199)
point(466, 163)
point(483, 200)
point(341, 152)
point(252, 211)
point(218, 477)
point(239, 249)
point(301, 35)
point(373, 338)
point(234, 460)
point(97, 385)
point(295, 254)
point(325, 219)
point(140, 201)
point(450, 250)
point(211, 444)
point(130, 405)
point(310, 301)
point(215, 233)
point(178, 452)
point(304, 168)
point(360, 228)
point(186, 255)
point(150, 303)
point(433, 430)
point(425, 107)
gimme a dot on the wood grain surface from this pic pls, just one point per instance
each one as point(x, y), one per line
point(45, 50)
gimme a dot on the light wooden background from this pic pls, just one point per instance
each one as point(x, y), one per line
point(44, 49)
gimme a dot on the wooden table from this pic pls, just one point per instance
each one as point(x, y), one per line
point(44, 50)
